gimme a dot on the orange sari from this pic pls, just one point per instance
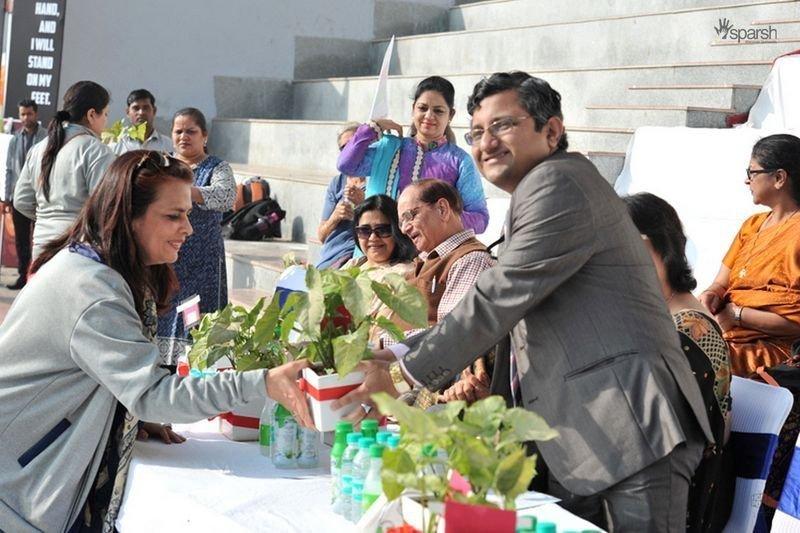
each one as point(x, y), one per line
point(765, 275)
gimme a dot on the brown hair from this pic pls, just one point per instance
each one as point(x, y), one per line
point(432, 190)
point(127, 189)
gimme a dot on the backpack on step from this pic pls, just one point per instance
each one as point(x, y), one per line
point(255, 221)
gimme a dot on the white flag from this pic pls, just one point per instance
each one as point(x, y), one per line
point(380, 104)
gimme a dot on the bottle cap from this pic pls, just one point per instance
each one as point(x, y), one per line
point(376, 450)
point(358, 483)
point(545, 527)
point(383, 437)
point(394, 441)
point(526, 524)
point(347, 480)
point(352, 438)
point(429, 450)
point(347, 489)
point(370, 423)
point(365, 442)
point(343, 426)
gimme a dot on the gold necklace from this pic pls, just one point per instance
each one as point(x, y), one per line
point(743, 270)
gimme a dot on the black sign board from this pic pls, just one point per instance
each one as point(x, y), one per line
point(37, 30)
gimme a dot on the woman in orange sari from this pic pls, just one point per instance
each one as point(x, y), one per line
point(756, 294)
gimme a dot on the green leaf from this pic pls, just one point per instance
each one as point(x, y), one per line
point(391, 328)
point(486, 413)
point(514, 474)
point(350, 349)
point(265, 325)
point(522, 425)
point(415, 420)
point(395, 463)
point(316, 301)
point(357, 296)
point(252, 315)
point(450, 411)
point(220, 334)
point(403, 298)
point(113, 133)
point(197, 354)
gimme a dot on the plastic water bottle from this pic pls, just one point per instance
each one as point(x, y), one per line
point(361, 460)
point(372, 481)
point(309, 448)
point(347, 496)
point(284, 446)
point(265, 429)
point(383, 437)
point(337, 452)
point(357, 495)
point(369, 428)
point(350, 453)
point(393, 442)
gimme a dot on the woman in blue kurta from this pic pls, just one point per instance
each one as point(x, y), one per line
point(201, 262)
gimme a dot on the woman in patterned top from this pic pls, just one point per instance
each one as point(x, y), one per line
point(391, 163)
point(711, 492)
point(201, 262)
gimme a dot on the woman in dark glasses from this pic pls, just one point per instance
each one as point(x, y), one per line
point(386, 249)
point(78, 365)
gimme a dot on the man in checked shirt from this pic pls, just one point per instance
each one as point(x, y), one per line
point(450, 260)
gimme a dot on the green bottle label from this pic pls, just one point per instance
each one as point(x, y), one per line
point(264, 435)
point(367, 500)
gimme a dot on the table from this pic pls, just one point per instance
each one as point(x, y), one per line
point(212, 484)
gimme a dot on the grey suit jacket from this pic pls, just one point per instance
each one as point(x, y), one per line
point(71, 347)
point(15, 159)
point(596, 349)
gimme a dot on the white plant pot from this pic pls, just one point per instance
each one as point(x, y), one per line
point(321, 392)
point(241, 424)
point(418, 516)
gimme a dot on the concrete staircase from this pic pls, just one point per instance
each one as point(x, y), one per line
point(618, 65)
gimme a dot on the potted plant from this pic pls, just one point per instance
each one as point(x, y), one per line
point(333, 319)
point(472, 458)
point(242, 339)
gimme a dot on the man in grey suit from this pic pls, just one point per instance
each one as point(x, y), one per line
point(18, 148)
point(575, 298)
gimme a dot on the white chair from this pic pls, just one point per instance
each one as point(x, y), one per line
point(787, 516)
point(759, 412)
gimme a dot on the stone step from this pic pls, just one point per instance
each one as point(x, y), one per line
point(257, 265)
point(737, 97)
point(676, 36)
point(261, 144)
point(633, 116)
point(608, 163)
point(247, 298)
point(349, 98)
point(510, 13)
point(589, 139)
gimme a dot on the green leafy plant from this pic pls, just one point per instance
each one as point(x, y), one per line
point(333, 318)
point(483, 442)
point(118, 129)
point(251, 339)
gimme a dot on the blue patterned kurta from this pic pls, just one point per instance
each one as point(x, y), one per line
point(201, 263)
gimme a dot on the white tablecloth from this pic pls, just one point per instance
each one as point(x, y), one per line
point(212, 484)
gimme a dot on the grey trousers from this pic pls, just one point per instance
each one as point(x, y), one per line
point(652, 500)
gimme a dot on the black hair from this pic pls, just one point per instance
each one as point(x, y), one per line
point(433, 190)
point(537, 97)
point(403, 247)
point(197, 116)
point(141, 94)
point(781, 151)
point(443, 87)
point(659, 221)
point(27, 102)
point(78, 100)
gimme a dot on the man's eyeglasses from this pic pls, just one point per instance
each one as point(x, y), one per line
point(501, 126)
point(410, 215)
point(751, 173)
point(381, 230)
point(156, 158)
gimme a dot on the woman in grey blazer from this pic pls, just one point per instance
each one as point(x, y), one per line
point(77, 365)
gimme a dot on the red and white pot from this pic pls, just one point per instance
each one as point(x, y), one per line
point(322, 390)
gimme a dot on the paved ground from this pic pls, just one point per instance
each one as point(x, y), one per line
point(7, 276)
